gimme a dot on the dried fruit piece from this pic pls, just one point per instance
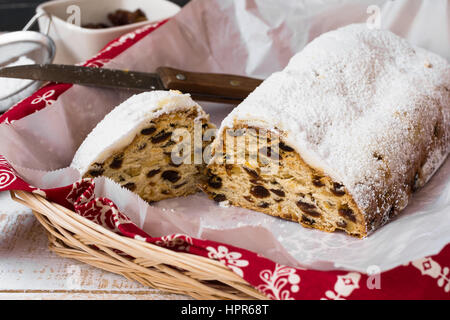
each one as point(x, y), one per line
point(96, 172)
point(215, 182)
point(220, 198)
point(279, 193)
point(341, 224)
point(169, 143)
point(161, 136)
point(148, 131)
point(259, 192)
point(347, 213)
point(117, 162)
point(338, 189)
point(307, 220)
point(264, 205)
point(122, 17)
point(130, 186)
point(317, 182)
point(252, 173)
point(308, 208)
point(171, 175)
point(153, 173)
point(285, 147)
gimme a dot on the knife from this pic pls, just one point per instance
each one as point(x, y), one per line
point(223, 88)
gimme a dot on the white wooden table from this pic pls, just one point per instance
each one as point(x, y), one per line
point(29, 270)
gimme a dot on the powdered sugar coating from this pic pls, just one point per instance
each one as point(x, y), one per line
point(122, 124)
point(364, 106)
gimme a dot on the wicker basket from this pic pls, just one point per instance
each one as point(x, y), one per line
point(71, 236)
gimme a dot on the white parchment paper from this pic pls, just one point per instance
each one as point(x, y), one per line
point(254, 38)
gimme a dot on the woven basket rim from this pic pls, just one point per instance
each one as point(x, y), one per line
point(72, 236)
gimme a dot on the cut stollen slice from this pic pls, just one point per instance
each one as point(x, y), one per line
point(341, 138)
point(146, 144)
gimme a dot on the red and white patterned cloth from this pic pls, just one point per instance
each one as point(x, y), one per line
point(426, 278)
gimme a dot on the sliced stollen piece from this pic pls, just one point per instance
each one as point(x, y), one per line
point(341, 137)
point(146, 144)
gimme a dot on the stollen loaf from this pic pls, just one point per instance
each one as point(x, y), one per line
point(138, 144)
point(339, 139)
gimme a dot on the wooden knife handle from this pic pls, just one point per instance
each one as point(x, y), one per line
point(208, 86)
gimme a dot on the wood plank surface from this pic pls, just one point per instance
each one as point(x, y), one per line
point(29, 270)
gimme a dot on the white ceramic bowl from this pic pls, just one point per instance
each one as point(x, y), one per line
point(75, 44)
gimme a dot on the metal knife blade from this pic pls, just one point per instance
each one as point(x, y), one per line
point(226, 88)
point(86, 76)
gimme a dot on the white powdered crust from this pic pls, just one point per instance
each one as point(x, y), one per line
point(363, 106)
point(123, 123)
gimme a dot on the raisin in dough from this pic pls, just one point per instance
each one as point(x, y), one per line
point(362, 120)
point(133, 145)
